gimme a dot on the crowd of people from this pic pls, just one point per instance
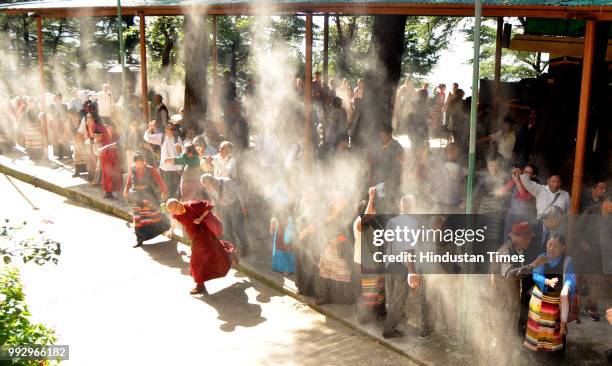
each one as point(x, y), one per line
point(317, 214)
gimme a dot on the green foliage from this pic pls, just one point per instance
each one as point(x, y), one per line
point(516, 65)
point(425, 39)
point(16, 328)
point(29, 245)
point(163, 37)
point(233, 45)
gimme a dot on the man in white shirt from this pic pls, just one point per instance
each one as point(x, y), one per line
point(224, 163)
point(548, 194)
point(170, 147)
point(105, 103)
point(399, 276)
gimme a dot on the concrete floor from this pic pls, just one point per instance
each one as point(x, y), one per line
point(115, 305)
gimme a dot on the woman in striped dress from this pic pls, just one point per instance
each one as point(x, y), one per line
point(141, 188)
point(334, 284)
point(549, 305)
point(34, 138)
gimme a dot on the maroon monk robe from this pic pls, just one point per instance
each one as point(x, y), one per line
point(111, 170)
point(210, 258)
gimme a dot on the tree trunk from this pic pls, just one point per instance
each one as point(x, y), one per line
point(383, 72)
point(234, 59)
point(196, 64)
point(83, 53)
point(345, 42)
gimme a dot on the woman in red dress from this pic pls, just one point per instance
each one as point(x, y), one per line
point(210, 257)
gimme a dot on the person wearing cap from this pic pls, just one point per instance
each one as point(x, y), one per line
point(517, 273)
point(170, 148)
point(228, 198)
point(177, 121)
point(224, 163)
point(141, 189)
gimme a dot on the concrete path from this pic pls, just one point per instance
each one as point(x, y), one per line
point(115, 305)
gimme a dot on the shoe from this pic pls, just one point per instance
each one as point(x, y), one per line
point(109, 195)
point(395, 333)
point(199, 289)
point(608, 355)
point(425, 333)
point(592, 314)
point(138, 244)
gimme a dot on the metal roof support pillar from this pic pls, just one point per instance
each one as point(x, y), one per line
point(41, 58)
point(583, 113)
point(326, 48)
point(474, 108)
point(144, 89)
point(308, 94)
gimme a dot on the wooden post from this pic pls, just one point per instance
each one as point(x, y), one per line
point(144, 89)
point(583, 113)
point(326, 48)
point(41, 59)
point(308, 92)
point(213, 59)
point(498, 50)
point(497, 70)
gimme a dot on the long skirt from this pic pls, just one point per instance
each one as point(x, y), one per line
point(191, 189)
point(211, 261)
point(307, 255)
point(371, 303)
point(544, 323)
point(334, 283)
point(148, 220)
point(283, 259)
point(111, 170)
point(80, 156)
point(34, 142)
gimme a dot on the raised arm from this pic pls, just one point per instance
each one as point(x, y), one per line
point(531, 186)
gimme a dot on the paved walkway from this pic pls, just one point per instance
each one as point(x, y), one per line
point(586, 342)
point(115, 305)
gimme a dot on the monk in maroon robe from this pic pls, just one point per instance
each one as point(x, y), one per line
point(109, 162)
point(210, 257)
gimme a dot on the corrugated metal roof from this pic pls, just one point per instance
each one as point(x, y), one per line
point(63, 4)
